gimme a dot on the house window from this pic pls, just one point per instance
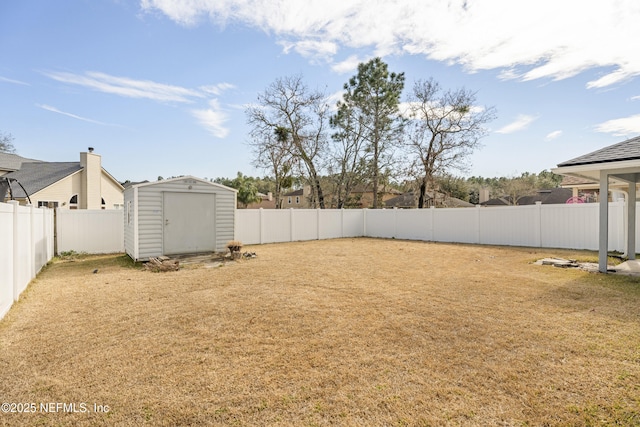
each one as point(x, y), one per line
point(297, 200)
point(289, 199)
point(73, 202)
point(104, 205)
point(47, 204)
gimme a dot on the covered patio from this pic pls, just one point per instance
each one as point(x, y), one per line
point(616, 167)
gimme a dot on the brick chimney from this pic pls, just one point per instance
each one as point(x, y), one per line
point(91, 197)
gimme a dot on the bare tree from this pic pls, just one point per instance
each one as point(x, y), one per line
point(272, 154)
point(6, 143)
point(515, 188)
point(298, 117)
point(445, 129)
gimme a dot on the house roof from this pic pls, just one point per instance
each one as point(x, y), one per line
point(408, 200)
point(551, 196)
point(12, 162)
point(299, 192)
point(625, 150)
point(35, 175)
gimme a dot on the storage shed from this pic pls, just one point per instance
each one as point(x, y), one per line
point(178, 216)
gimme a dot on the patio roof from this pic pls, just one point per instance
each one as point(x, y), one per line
point(615, 166)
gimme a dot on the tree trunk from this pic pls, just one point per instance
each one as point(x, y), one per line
point(423, 192)
point(320, 194)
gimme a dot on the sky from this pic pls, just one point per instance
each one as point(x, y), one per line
point(160, 87)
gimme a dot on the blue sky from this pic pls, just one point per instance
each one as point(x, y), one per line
point(159, 87)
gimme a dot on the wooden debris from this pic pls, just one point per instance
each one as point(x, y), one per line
point(162, 263)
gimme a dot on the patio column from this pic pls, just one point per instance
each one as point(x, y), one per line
point(631, 220)
point(603, 242)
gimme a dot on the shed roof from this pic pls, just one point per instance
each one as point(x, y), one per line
point(182, 178)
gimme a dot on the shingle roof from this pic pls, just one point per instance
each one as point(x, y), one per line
point(625, 150)
point(34, 176)
point(12, 162)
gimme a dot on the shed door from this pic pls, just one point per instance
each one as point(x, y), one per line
point(189, 223)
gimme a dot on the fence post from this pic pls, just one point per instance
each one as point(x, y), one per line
point(15, 253)
point(341, 222)
point(260, 227)
point(478, 225)
point(537, 226)
point(32, 241)
point(364, 222)
point(318, 224)
point(432, 223)
point(291, 224)
point(395, 222)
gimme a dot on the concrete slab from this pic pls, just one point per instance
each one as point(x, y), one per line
point(630, 267)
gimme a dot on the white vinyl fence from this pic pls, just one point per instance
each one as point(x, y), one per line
point(26, 245)
point(27, 233)
point(551, 226)
point(90, 231)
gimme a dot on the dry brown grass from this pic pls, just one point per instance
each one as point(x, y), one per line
point(337, 332)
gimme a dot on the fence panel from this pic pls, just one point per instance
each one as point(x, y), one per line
point(510, 225)
point(304, 225)
point(90, 231)
point(414, 224)
point(6, 259)
point(381, 223)
point(23, 251)
point(353, 223)
point(26, 245)
point(330, 223)
point(573, 226)
point(456, 225)
point(248, 226)
point(276, 225)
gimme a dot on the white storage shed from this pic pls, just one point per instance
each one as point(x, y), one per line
point(178, 216)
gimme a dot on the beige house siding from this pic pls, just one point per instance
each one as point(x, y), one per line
point(112, 192)
point(63, 190)
point(60, 192)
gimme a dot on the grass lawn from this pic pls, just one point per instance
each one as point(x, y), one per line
point(336, 332)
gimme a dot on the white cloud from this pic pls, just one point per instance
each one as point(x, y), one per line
point(348, 65)
point(525, 39)
point(621, 127)
point(15, 82)
point(522, 122)
point(74, 116)
point(127, 87)
point(217, 89)
point(553, 135)
point(213, 119)
point(315, 49)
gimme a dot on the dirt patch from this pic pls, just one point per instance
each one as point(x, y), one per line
point(336, 332)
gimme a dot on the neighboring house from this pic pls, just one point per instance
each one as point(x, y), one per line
point(410, 201)
point(70, 185)
point(266, 202)
point(360, 197)
point(297, 199)
point(547, 197)
point(12, 162)
point(584, 188)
